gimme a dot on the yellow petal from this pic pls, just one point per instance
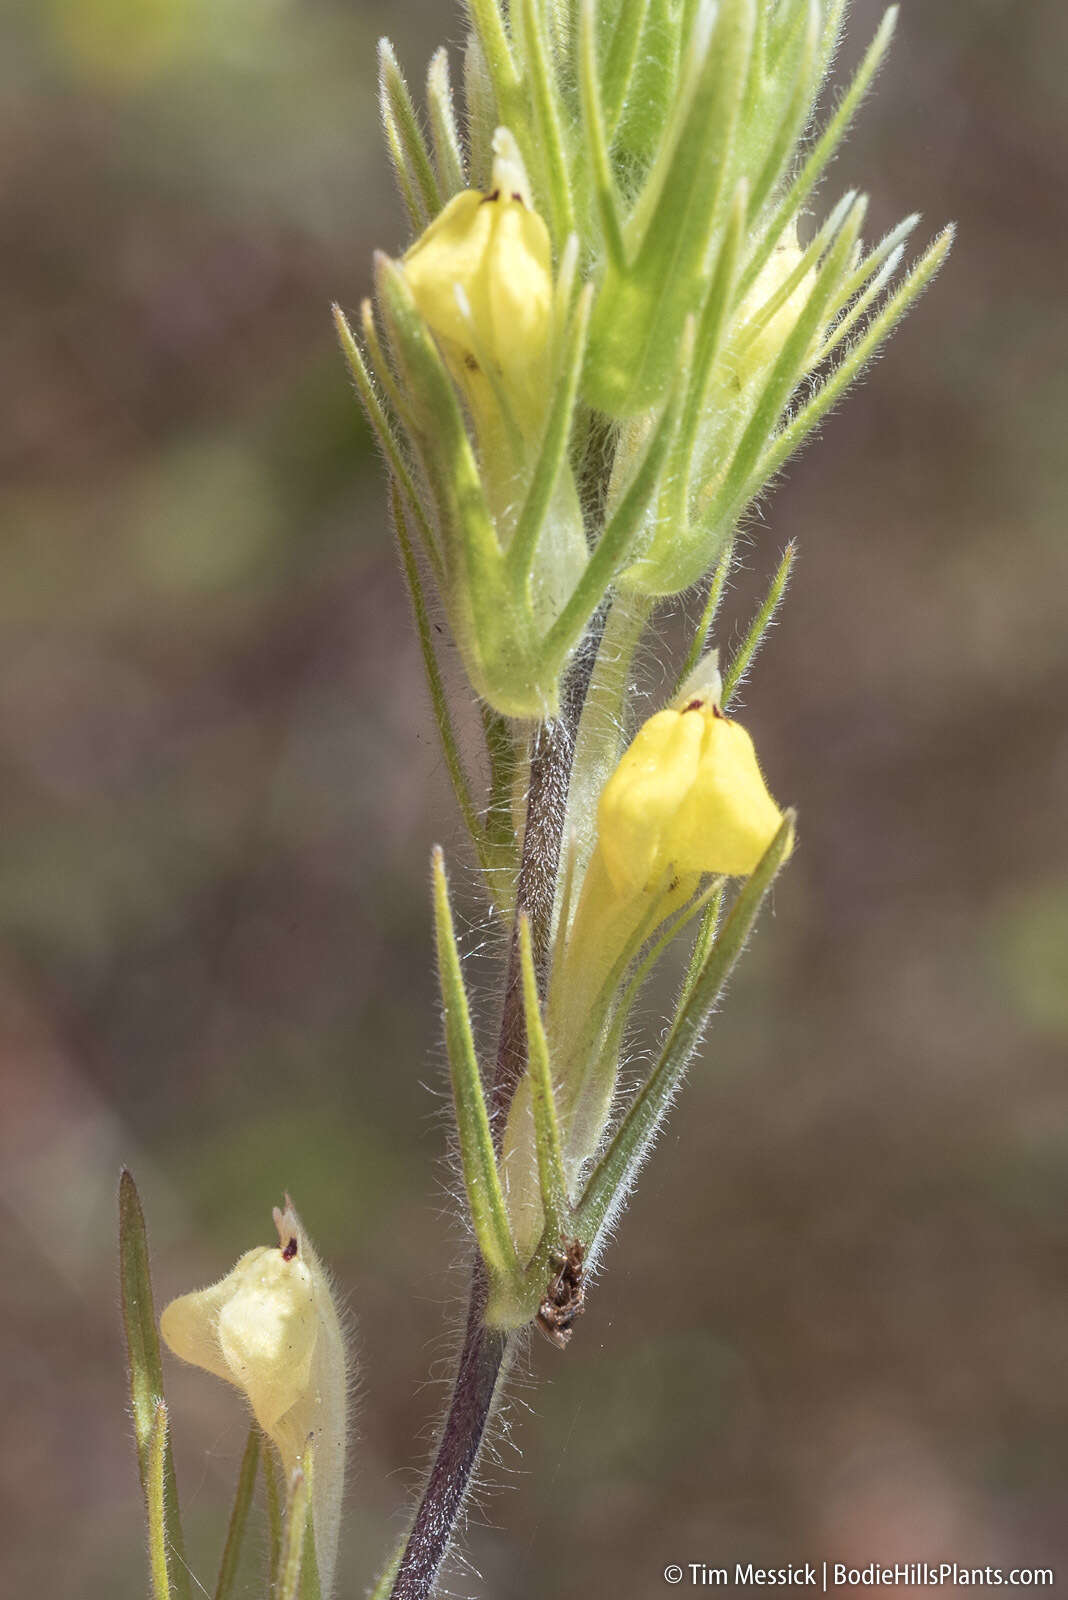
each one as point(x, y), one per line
point(452, 251)
point(728, 819)
point(481, 275)
point(687, 797)
point(641, 799)
point(267, 1332)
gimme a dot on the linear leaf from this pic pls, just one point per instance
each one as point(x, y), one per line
point(554, 1197)
point(741, 662)
point(235, 1533)
point(615, 1172)
point(481, 1179)
point(146, 1370)
point(405, 138)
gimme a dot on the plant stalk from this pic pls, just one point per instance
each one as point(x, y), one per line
point(485, 1355)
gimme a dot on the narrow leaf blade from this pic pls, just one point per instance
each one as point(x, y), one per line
point(146, 1368)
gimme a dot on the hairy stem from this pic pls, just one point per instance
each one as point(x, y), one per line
point(481, 1369)
point(485, 1354)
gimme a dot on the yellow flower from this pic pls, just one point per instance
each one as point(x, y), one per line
point(688, 797)
point(481, 275)
point(270, 1328)
point(686, 801)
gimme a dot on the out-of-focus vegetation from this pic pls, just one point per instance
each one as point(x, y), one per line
point(834, 1321)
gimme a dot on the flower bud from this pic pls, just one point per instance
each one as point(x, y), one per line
point(481, 275)
point(271, 1329)
point(755, 343)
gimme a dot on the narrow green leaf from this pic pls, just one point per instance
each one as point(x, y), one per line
point(702, 944)
point(689, 181)
point(845, 325)
point(710, 333)
point(620, 60)
point(405, 138)
point(615, 1172)
point(409, 191)
point(823, 151)
point(448, 146)
point(383, 1588)
point(674, 228)
point(496, 50)
point(274, 1515)
point(445, 449)
point(597, 136)
point(380, 424)
point(235, 1533)
point(789, 365)
point(310, 1587)
point(552, 455)
point(832, 30)
point(155, 1494)
point(708, 901)
point(146, 1371)
point(887, 248)
point(542, 89)
point(503, 758)
point(703, 633)
point(614, 546)
point(554, 1197)
point(435, 684)
point(296, 1537)
point(489, 1214)
point(379, 364)
point(759, 626)
point(848, 369)
point(480, 101)
point(755, 325)
point(805, 77)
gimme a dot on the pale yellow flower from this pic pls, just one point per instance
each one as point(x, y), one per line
point(270, 1328)
point(481, 275)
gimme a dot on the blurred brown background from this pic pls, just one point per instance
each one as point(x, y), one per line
point(834, 1321)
